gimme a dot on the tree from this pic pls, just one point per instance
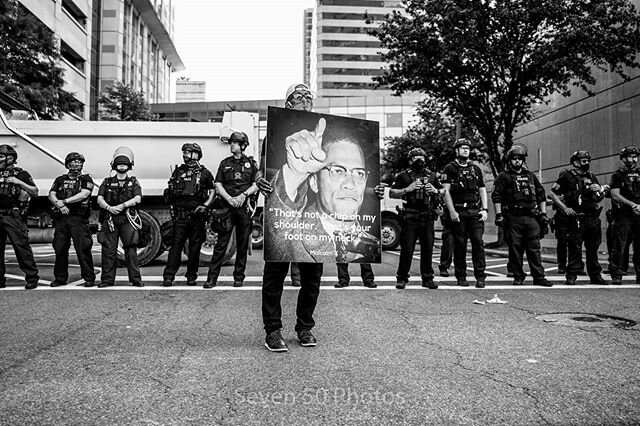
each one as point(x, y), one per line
point(123, 103)
point(435, 132)
point(491, 61)
point(29, 56)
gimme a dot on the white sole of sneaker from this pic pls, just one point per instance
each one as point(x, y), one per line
point(276, 350)
point(306, 345)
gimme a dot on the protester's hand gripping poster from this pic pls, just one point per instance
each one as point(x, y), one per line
point(323, 169)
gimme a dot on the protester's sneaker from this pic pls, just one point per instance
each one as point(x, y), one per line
point(31, 286)
point(443, 272)
point(616, 280)
point(463, 283)
point(306, 338)
point(275, 343)
point(341, 285)
point(57, 283)
point(430, 284)
point(89, 283)
point(209, 284)
point(370, 284)
point(571, 280)
point(543, 283)
point(598, 279)
point(401, 285)
point(167, 283)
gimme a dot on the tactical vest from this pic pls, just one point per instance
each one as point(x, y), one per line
point(116, 194)
point(186, 182)
point(465, 186)
point(631, 185)
point(524, 189)
point(420, 198)
point(579, 195)
point(69, 186)
point(7, 189)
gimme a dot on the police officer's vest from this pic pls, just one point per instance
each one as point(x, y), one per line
point(185, 182)
point(116, 194)
point(7, 189)
point(579, 196)
point(464, 189)
point(631, 185)
point(524, 189)
point(420, 199)
point(69, 186)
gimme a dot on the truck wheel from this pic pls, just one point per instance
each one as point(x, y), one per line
point(257, 234)
point(151, 229)
point(209, 244)
point(390, 233)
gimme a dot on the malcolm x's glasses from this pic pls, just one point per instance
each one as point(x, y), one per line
point(338, 173)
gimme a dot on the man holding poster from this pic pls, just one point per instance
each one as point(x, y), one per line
point(320, 209)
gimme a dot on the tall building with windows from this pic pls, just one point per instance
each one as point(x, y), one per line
point(104, 41)
point(136, 46)
point(70, 21)
point(306, 45)
point(344, 57)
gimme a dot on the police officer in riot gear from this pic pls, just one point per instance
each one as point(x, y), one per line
point(235, 185)
point(625, 194)
point(70, 195)
point(577, 193)
point(117, 196)
point(519, 201)
point(16, 188)
point(190, 193)
point(466, 202)
point(419, 187)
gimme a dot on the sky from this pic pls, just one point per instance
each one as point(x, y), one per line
point(243, 49)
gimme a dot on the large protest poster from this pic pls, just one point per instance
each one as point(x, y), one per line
point(323, 169)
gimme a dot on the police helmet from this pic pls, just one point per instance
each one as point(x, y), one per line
point(122, 155)
point(516, 150)
point(579, 155)
point(193, 147)
point(416, 152)
point(461, 142)
point(240, 138)
point(629, 150)
point(8, 150)
point(72, 156)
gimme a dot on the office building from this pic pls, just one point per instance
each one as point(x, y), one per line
point(104, 41)
point(306, 45)
point(344, 57)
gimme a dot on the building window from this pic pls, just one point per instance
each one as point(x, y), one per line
point(355, 58)
point(352, 16)
point(350, 43)
point(346, 30)
point(350, 71)
point(394, 119)
point(72, 57)
point(72, 10)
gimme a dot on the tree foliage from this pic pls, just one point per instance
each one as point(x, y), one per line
point(435, 132)
point(28, 63)
point(123, 103)
point(491, 61)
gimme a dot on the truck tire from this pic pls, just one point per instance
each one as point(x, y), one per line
point(146, 254)
point(390, 233)
point(207, 248)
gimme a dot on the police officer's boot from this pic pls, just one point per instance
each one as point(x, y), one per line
point(597, 279)
point(571, 280)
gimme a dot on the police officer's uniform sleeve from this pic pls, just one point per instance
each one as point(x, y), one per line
point(207, 179)
point(24, 176)
point(137, 189)
point(86, 182)
point(448, 174)
point(480, 176)
point(616, 180)
point(401, 181)
point(498, 188)
point(102, 190)
point(56, 184)
point(220, 173)
point(541, 195)
point(560, 185)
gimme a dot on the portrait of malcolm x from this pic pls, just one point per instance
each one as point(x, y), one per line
point(322, 208)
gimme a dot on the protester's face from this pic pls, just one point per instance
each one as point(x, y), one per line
point(341, 184)
point(301, 101)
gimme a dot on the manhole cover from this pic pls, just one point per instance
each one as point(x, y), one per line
point(581, 319)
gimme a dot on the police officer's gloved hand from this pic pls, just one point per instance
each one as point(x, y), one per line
point(264, 186)
point(499, 219)
point(201, 210)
